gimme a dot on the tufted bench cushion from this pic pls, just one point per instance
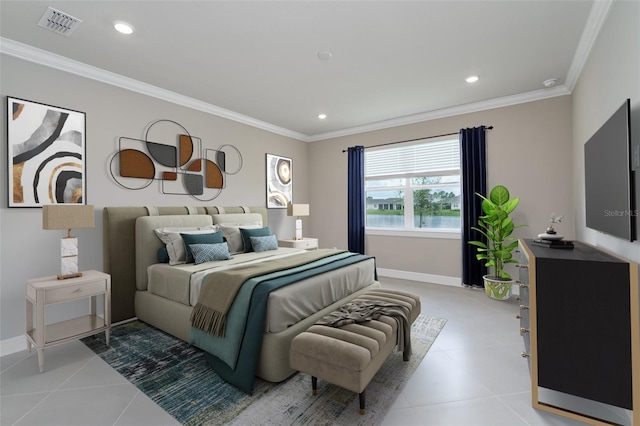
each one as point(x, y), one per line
point(349, 356)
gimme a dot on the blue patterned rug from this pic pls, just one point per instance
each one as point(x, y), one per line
point(176, 376)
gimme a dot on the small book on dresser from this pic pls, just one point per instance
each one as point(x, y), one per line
point(553, 243)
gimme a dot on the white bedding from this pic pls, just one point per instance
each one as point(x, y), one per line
point(286, 306)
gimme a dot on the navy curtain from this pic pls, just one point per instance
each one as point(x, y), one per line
point(355, 196)
point(474, 180)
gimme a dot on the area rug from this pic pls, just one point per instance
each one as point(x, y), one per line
point(176, 376)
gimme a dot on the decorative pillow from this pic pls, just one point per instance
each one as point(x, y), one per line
point(163, 255)
point(170, 236)
point(208, 252)
point(233, 236)
point(191, 239)
point(247, 233)
point(264, 243)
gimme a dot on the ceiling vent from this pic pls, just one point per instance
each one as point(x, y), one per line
point(59, 22)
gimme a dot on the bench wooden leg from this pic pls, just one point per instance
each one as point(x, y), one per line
point(361, 396)
point(314, 385)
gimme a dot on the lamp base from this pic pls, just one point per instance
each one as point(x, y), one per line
point(64, 277)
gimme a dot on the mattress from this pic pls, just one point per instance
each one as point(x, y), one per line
point(286, 306)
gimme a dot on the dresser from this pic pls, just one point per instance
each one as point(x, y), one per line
point(580, 322)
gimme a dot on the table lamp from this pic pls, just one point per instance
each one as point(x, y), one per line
point(298, 210)
point(68, 216)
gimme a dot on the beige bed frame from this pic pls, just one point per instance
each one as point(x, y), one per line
point(128, 278)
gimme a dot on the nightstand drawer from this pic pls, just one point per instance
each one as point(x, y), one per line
point(81, 290)
point(306, 243)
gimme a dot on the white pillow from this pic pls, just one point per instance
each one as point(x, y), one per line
point(232, 235)
point(170, 236)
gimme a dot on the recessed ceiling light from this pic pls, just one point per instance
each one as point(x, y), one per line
point(322, 116)
point(472, 79)
point(123, 27)
point(550, 82)
point(324, 55)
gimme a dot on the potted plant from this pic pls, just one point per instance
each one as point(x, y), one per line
point(497, 227)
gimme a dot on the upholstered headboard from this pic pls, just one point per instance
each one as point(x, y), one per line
point(119, 244)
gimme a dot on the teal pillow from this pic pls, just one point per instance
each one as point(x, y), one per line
point(190, 239)
point(247, 233)
point(208, 252)
point(163, 255)
point(260, 244)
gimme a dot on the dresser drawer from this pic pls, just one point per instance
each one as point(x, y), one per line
point(84, 289)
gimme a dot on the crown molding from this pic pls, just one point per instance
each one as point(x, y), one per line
point(505, 101)
point(597, 16)
point(48, 59)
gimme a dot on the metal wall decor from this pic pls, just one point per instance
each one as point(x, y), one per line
point(46, 154)
point(279, 181)
point(183, 167)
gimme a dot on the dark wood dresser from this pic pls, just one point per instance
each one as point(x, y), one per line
point(580, 321)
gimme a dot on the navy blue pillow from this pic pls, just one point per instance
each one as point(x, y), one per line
point(247, 233)
point(213, 238)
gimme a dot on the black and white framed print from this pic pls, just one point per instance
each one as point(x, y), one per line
point(46, 154)
point(279, 181)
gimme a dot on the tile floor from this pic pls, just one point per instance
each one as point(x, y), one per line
point(473, 375)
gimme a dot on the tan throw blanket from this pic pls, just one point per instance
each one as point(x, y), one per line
point(359, 311)
point(219, 289)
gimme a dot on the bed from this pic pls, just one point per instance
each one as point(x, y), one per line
point(164, 295)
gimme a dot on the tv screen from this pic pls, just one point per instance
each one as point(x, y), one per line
point(610, 204)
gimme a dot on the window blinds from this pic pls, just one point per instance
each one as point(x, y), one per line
point(425, 157)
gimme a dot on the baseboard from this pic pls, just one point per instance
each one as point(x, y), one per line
point(420, 277)
point(428, 278)
point(13, 345)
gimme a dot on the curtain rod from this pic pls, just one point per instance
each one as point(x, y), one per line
point(417, 139)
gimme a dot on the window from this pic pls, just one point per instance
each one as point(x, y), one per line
point(413, 187)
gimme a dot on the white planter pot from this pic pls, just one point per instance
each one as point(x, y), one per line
point(497, 289)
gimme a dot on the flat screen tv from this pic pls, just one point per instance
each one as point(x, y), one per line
point(609, 180)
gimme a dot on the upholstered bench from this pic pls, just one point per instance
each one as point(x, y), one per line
point(349, 356)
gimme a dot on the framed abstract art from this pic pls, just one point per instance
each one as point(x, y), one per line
point(279, 181)
point(46, 154)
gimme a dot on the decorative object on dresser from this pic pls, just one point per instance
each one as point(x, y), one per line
point(550, 233)
point(178, 160)
point(496, 226)
point(46, 154)
point(43, 291)
point(587, 300)
point(298, 210)
point(68, 216)
point(279, 181)
point(303, 243)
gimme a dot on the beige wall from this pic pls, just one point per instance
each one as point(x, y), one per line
point(528, 150)
point(611, 75)
point(26, 251)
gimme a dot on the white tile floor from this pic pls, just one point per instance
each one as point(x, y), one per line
point(473, 375)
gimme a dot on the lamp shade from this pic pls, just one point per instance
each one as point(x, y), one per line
point(298, 210)
point(67, 216)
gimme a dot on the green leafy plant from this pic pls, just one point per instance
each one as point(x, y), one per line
point(497, 227)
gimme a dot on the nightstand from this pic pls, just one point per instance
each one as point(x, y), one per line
point(304, 243)
point(44, 291)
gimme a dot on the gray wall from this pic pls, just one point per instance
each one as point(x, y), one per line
point(528, 150)
point(27, 251)
point(611, 75)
